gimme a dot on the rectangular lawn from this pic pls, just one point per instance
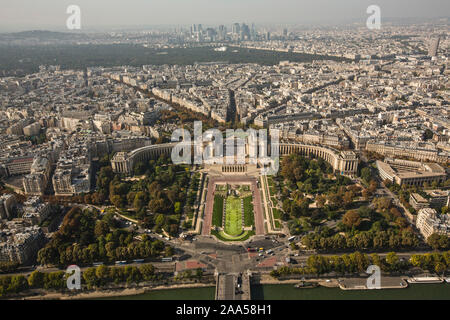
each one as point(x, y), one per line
point(249, 217)
point(217, 211)
point(233, 217)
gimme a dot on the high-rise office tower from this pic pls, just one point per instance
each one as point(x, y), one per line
point(245, 32)
point(222, 32)
point(253, 32)
point(236, 28)
point(434, 45)
point(211, 34)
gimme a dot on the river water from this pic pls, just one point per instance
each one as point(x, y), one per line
point(413, 292)
point(288, 292)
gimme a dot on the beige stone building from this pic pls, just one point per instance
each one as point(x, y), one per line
point(410, 172)
point(390, 150)
point(429, 222)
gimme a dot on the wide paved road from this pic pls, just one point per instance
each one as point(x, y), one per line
point(258, 209)
point(225, 287)
point(207, 217)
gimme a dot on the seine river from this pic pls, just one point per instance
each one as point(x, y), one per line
point(288, 292)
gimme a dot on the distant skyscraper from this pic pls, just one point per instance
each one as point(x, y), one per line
point(236, 28)
point(434, 45)
point(222, 32)
point(245, 32)
point(253, 32)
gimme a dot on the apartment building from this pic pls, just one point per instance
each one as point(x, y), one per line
point(429, 222)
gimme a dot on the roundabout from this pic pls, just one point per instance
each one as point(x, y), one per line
point(221, 235)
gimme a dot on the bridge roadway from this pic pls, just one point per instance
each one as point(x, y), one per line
point(227, 287)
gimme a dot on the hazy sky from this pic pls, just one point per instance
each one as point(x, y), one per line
point(51, 14)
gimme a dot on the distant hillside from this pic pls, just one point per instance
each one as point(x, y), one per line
point(42, 35)
point(37, 33)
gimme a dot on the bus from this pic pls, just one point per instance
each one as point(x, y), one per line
point(170, 259)
point(291, 239)
point(138, 260)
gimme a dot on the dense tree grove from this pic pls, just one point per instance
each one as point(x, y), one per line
point(439, 241)
point(302, 177)
point(157, 199)
point(357, 263)
point(91, 278)
point(8, 267)
point(378, 226)
point(103, 275)
point(15, 58)
point(38, 139)
point(309, 175)
point(366, 175)
point(389, 239)
point(12, 284)
point(187, 117)
point(86, 237)
point(336, 214)
point(351, 219)
point(433, 262)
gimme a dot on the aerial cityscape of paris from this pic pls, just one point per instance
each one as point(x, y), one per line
point(201, 150)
